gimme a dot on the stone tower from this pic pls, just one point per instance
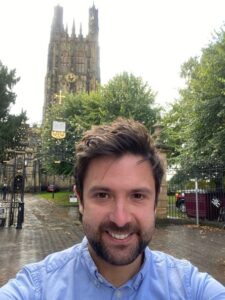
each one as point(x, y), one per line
point(73, 60)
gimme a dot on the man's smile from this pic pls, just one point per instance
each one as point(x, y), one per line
point(119, 236)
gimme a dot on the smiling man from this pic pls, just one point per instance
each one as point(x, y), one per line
point(118, 209)
point(118, 177)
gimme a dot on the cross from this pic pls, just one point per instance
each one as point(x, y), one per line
point(60, 96)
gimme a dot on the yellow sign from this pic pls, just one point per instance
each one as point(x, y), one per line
point(58, 134)
point(58, 129)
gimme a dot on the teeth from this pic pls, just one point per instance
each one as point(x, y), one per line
point(119, 236)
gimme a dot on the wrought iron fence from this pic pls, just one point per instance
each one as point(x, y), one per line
point(196, 197)
point(9, 213)
point(12, 179)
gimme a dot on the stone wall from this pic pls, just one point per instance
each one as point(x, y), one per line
point(62, 182)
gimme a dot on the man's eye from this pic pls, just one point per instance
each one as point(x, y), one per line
point(102, 195)
point(138, 196)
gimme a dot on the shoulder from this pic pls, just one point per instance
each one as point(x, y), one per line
point(56, 260)
point(182, 275)
point(174, 269)
point(42, 277)
point(169, 261)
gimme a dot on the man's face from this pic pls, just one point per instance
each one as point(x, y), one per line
point(118, 207)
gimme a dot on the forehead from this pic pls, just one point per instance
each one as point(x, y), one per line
point(126, 168)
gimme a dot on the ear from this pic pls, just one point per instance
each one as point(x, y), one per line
point(155, 206)
point(81, 208)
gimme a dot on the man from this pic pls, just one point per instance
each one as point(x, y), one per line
point(4, 191)
point(118, 177)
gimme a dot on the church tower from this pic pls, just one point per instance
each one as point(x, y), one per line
point(73, 60)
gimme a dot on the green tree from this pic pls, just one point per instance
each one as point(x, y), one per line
point(195, 126)
point(7, 97)
point(9, 124)
point(128, 96)
point(125, 95)
point(79, 111)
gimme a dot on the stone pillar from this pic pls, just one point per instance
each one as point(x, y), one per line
point(162, 151)
point(163, 199)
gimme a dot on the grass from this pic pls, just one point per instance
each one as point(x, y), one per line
point(60, 198)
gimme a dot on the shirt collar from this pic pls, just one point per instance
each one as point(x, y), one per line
point(88, 262)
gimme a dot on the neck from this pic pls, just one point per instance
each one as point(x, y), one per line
point(116, 275)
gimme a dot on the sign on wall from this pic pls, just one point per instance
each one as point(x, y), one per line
point(58, 129)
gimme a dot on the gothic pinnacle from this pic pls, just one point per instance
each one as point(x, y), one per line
point(81, 34)
point(73, 29)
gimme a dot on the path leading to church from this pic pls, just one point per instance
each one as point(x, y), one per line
point(48, 228)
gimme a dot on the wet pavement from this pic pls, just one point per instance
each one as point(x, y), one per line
point(48, 228)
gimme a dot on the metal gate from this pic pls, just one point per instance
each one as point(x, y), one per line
point(12, 178)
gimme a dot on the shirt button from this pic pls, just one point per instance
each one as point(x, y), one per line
point(96, 283)
point(118, 294)
point(100, 280)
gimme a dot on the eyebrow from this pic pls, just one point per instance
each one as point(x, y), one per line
point(99, 188)
point(136, 190)
point(142, 190)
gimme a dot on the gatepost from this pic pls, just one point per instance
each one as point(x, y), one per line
point(162, 151)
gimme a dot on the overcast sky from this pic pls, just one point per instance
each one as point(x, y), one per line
point(149, 38)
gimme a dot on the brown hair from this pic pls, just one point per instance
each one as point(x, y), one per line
point(116, 139)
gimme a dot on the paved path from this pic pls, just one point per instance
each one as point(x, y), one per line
point(48, 228)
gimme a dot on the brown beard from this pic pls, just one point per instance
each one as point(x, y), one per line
point(104, 252)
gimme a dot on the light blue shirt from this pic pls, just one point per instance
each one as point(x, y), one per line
point(72, 275)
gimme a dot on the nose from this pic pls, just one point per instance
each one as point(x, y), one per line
point(120, 213)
